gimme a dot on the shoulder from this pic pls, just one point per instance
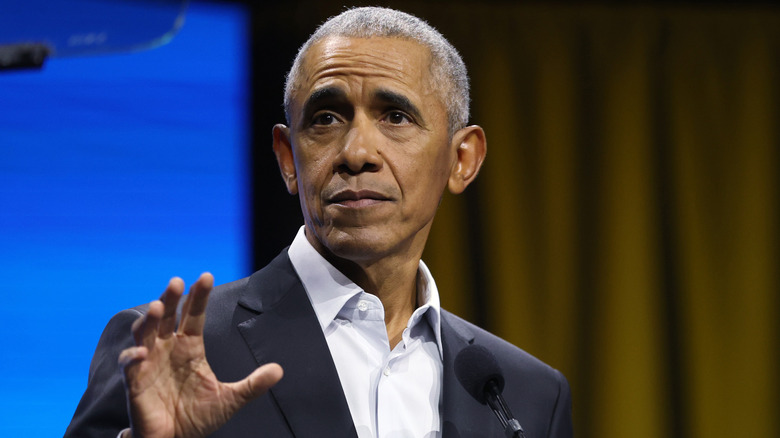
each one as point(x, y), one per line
point(224, 296)
point(523, 371)
point(538, 393)
point(257, 288)
point(503, 350)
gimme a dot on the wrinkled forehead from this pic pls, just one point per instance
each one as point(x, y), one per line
point(402, 62)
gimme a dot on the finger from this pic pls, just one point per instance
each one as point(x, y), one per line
point(170, 299)
point(257, 383)
point(132, 355)
point(130, 361)
point(137, 329)
point(185, 308)
point(193, 319)
point(145, 327)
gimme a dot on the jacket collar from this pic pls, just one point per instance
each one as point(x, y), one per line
point(285, 330)
point(462, 416)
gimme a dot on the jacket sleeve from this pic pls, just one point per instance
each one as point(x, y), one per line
point(102, 411)
point(560, 422)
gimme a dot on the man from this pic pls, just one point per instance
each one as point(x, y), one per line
point(377, 105)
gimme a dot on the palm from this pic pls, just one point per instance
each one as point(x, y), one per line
point(171, 389)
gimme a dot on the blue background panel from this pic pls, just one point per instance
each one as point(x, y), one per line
point(116, 173)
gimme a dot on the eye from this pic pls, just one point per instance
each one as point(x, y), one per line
point(397, 118)
point(324, 119)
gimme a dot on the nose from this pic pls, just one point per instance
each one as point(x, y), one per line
point(359, 152)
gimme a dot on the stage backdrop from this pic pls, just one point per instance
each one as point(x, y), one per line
point(625, 225)
point(116, 173)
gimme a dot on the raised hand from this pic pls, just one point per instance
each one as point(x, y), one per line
point(171, 389)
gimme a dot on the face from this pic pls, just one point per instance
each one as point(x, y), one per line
point(368, 150)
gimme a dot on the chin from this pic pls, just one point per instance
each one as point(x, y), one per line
point(355, 244)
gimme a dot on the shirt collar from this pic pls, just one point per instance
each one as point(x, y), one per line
point(329, 290)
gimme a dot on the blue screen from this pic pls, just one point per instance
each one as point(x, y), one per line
point(117, 172)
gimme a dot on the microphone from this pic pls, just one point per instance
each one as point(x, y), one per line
point(477, 370)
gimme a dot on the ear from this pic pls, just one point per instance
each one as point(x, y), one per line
point(471, 147)
point(284, 156)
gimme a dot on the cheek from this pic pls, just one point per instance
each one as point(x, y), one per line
point(426, 179)
point(313, 172)
point(436, 164)
point(310, 200)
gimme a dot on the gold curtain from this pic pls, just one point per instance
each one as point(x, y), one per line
point(625, 226)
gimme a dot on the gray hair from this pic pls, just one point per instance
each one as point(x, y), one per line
point(447, 67)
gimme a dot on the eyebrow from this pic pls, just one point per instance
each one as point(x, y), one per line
point(320, 97)
point(331, 95)
point(399, 101)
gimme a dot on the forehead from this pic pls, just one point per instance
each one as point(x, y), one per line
point(393, 62)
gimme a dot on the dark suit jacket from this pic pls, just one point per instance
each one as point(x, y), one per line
point(267, 317)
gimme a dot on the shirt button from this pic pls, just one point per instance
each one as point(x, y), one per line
point(386, 371)
point(362, 306)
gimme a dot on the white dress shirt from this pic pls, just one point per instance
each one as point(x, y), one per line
point(391, 393)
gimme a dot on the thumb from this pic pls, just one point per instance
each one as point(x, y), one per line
point(257, 383)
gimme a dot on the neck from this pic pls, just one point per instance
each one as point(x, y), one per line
point(390, 277)
point(394, 282)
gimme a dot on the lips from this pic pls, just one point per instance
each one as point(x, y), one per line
point(357, 199)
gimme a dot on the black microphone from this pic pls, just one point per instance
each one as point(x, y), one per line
point(477, 370)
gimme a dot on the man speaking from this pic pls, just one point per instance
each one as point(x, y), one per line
point(342, 334)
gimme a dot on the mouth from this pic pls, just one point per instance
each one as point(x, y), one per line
point(357, 199)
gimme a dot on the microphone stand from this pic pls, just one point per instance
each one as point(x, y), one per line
point(512, 427)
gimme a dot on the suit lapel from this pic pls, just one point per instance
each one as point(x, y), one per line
point(462, 415)
point(285, 330)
